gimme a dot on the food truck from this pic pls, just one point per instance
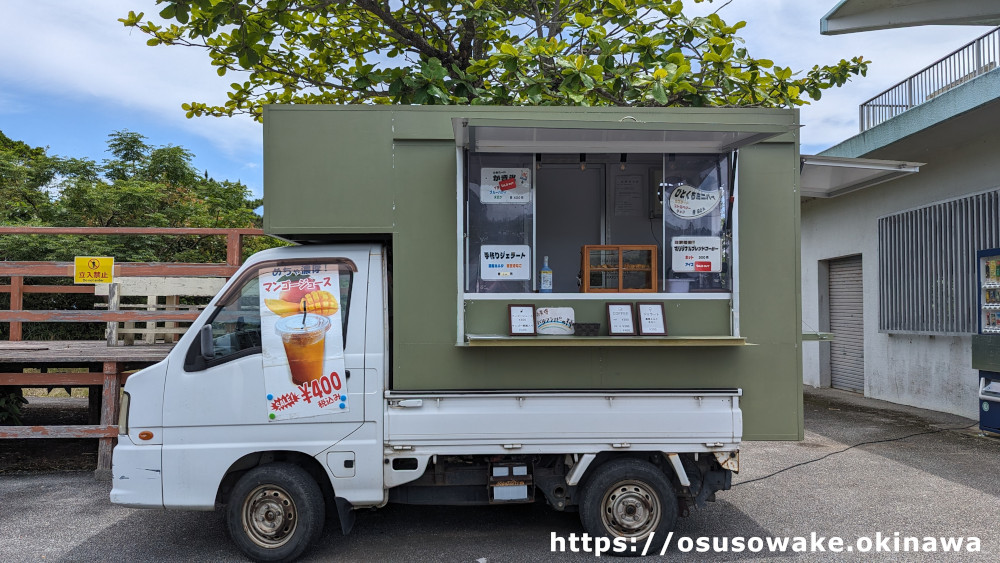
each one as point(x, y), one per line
point(587, 307)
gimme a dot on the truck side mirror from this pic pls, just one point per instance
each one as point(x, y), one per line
point(207, 344)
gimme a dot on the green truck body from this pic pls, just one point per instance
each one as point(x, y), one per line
point(341, 173)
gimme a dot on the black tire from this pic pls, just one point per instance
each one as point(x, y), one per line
point(629, 498)
point(253, 519)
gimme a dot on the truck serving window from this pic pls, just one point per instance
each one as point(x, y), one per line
point(660, 222)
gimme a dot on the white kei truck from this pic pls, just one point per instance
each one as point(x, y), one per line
point(193, 435)
point(405, 351)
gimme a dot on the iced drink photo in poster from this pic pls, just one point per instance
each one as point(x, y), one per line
point(303, 344)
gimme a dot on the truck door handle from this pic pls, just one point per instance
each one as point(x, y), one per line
point(407, 403)
point(347, 374)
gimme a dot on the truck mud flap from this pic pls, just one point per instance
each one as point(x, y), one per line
point(715, 480)
point(345, 511)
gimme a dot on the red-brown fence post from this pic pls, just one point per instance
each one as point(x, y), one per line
point(16, 304)
point(234, 248)
point(109, 416)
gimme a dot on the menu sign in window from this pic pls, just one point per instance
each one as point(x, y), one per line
point(505, 262)
point(505, 185)
point(690, 203)
point(696, 254)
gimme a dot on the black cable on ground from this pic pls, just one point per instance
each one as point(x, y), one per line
point(851, 448)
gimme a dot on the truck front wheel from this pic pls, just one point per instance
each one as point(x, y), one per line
point(275, 512)
point(629, 498)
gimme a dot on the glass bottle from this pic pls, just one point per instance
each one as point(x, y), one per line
point(545, 279)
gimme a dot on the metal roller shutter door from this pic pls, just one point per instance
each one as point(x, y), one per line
point(847, 350)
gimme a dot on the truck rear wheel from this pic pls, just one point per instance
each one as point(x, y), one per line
point(629, 498)
point(275, 512)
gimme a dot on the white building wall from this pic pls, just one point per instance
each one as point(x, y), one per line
point(931, 372)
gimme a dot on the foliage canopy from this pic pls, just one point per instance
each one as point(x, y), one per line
point(139, 185)
point(499, 52)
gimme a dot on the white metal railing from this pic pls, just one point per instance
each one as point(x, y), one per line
point(974, 59)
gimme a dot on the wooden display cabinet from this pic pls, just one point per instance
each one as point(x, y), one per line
point(619, 269)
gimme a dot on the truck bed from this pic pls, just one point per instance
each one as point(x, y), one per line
point(690, 420)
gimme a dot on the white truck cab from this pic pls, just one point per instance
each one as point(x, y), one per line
point(229, 420)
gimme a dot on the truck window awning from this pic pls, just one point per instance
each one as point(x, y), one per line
point(627, 135)
point(827, 176)
point(850, 16)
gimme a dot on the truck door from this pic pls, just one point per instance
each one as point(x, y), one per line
point(287, 334)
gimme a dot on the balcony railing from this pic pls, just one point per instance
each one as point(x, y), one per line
point(974, 59)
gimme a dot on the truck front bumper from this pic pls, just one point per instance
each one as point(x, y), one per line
point(137, 474)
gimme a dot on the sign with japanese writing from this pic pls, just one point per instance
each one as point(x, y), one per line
point(696, 254)
point(521, 319)
point(505, 185)
point(505, 262)
point(303, 343)
point(690, 203)
point(651, 319)
point(628, 196)
point(93, 269)
point(555, 320)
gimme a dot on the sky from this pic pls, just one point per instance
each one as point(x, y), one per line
point(71, 74)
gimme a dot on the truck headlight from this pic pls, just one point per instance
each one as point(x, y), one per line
point(123, 414)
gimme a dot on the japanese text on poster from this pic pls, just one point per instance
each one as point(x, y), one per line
point(555, 320)
point(696, 254)
point(505, 185)
point(301, 333)
point(689, 203)
point(505, 262)
point(651, 318)
point(628, 196)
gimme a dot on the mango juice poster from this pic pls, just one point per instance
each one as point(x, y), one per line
point(302, 337)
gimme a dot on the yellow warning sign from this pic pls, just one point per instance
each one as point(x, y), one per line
point(93, 269)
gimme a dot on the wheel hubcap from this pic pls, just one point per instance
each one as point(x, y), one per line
point(631, 509)
point(269, 516)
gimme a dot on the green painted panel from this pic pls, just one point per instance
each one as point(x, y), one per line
point(425, 246)
point(327, 171)
point(354, 170)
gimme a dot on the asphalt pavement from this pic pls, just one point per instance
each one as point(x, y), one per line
point(866, 469)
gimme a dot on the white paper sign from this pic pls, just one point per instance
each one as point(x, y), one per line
point(690, 203)
point(505, 185)
point(651, 318)
point(696, 254)
point(628, 196)
point(505, 262)
point(620, 319)
point(302, 340)
point(555, 320)
point(522, 319)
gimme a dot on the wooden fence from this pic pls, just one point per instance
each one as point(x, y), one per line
point(105, 367)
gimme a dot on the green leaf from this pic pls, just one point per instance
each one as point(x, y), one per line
point(316, 53)
point(659, 94)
